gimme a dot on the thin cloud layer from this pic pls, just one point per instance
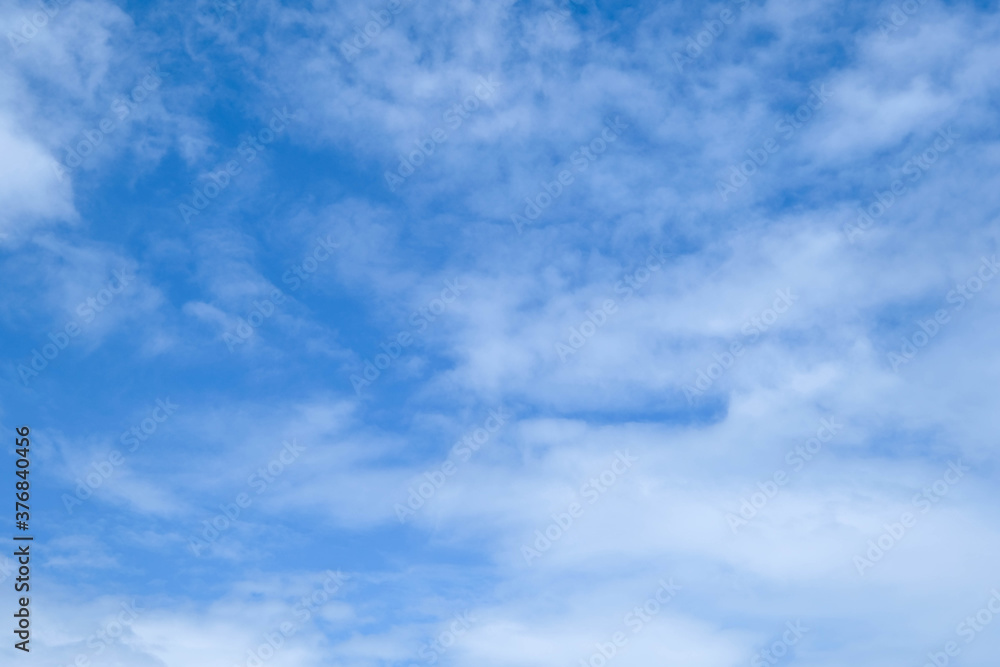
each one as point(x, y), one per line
point(507, 334)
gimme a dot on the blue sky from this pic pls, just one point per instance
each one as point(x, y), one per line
point(507, 333)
